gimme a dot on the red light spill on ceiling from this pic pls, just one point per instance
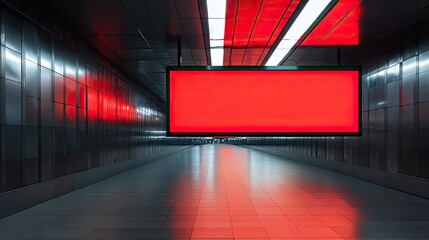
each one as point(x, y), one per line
point(252, 27)
point(263, 101)
point(340, 26)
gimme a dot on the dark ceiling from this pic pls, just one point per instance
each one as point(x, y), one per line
point(142, 36)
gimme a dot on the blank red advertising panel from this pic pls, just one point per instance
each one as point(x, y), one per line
point(263, 101)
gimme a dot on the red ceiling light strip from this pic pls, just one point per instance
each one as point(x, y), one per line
point(340, 26)
point(252, 27)
point(279, 28)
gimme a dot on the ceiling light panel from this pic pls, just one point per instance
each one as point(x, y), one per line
point(340, 27)
point(252, 26)
point(309, 14)
point(216, 10)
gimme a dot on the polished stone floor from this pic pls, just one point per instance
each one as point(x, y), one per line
point(225, 192)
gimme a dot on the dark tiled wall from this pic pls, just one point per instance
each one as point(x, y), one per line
point(395, 113)
point(64, 108)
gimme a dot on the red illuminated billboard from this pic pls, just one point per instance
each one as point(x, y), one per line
point(263, 101)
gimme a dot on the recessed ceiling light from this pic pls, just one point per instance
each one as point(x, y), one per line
point(216, 10)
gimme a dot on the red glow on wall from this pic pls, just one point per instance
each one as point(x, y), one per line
point(82, 96)
point(92, 99)
point(261, 101)
point(339, 27)
point(71, 115)
point(105, 104)
point(70, 92)
point(252, 26)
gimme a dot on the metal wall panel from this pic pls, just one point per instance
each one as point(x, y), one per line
point(11, 30)
point(424, 62)
point(424, 86)
point(393, 94)
point(12, 161)
point(65, 108)
point(409, 90)
point(32, 46)
point(31, 115)
point(32, 79)
point(12, 61)
point(409, 67)
point(31, 154)
point(13, 103)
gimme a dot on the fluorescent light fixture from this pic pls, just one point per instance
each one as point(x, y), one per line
point(302, 23)
point(217, 56)
point(216, 10)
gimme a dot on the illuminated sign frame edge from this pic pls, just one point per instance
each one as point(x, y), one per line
point(265, 134)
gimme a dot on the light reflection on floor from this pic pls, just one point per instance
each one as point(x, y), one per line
point(225, 192)
point(244, 194)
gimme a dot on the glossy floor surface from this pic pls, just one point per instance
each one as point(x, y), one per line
point(225, 192)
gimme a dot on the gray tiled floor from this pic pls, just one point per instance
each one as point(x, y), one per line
point(225, 192)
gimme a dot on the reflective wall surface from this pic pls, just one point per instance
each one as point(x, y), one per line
point(64, 108)
point(395, 112)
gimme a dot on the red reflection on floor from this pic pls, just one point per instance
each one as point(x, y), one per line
point(339, 27)
point(231, 196)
